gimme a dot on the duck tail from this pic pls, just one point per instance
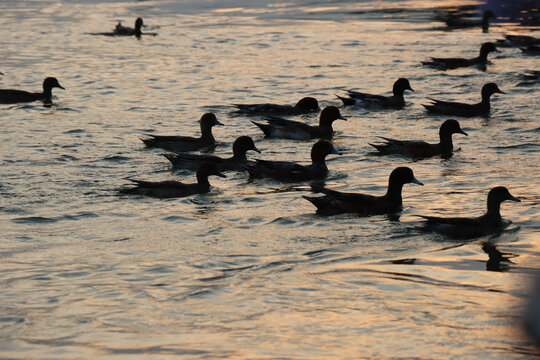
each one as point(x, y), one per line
point(265, 128)
point(320, 202)
point(149, 142)
point(346, 101)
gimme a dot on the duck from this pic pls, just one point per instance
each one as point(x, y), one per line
point(121, 30)
point(336, 202)
point(462, 109)
point(173, 189)
point(518, 41)
point(192, 161)
point(422, 149)
point(454, 63)
point(290, 171)
point(303, 106)
point(395, 101)
point(295, 130)
point(458, 22)
point(186, 143)
point(531, 50)
point(9, 96)
point(463, 227)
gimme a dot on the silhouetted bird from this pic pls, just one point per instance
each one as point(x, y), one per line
point(193, 161)
point(395, 101)
point(460, 227)
point(304, 106)
point(290, 171)
point(186, 143)
point(462, 109)
point(9, 96)
point(454, 63)
point(170, 189)
point(335, 202)
point(289, 129)
point(421, 149)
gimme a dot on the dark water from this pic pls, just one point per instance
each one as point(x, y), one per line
point(248, 270)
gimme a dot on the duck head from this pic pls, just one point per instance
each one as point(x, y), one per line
point(242, 145)
point(307, 104)
point(451, 127)
point(486, 48)
point(490, 89)
point(403, 175)
point(400, 86)
point(329, 115)
point(321, 149)
point(208, 120)
point(50, 83)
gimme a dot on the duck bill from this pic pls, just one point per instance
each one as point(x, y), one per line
point(513, 198)
point(220, 174)
point(218, 123)
point(255, 149)
point(410, 88)
point(463, 132)
point(61, 87)
point(499, 91)
point(334, 151)
point(415, 181)
point(341, 117)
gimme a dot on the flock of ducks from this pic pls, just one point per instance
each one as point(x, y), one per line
point(275, 126)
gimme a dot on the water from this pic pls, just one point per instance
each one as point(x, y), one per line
point(248, 270)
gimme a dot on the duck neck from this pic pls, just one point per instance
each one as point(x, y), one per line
point(493, 208)
point(398, 93)
point(485, 100)
point(446, 141)
point(202, 181)
point(206, 133)
point(47, 91)
point(485, 22)
point(239, 155)
point(394, 191)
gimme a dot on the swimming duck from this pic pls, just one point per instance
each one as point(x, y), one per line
point(289, 171)
point(288, 129)
point(458, 22)
point(186, 143)
point(304, 106)
point(127, 31)
point(421, 149)
point(170, 189)
point(531, 50)
point(462, 109)
point(518, 41)
point(454, 63)
point(335, 202)
point(193, 161)
point(9, 96)
point(460, 227)
point(396, 101)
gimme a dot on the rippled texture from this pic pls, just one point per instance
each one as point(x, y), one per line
point(248, 270)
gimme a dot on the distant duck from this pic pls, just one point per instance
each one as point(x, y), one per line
point(193, 161)
point(458, 22)
point(304, 106)
point(462, 109)
point(422, 149)
point(171, 189)
point(518, 41)
point(531, 50)
point(8, 96)
point(290, 171)
point(460, 227)
point(335, 202)
point(454, 63)
point(289, 129)
point(186, 143)
point(396, 101)
point(121, 30)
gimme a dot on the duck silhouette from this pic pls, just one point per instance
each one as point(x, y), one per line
point(395, 101)
point(10, 96)
point(462, 227)
point(422, 149)
point(462, 109)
